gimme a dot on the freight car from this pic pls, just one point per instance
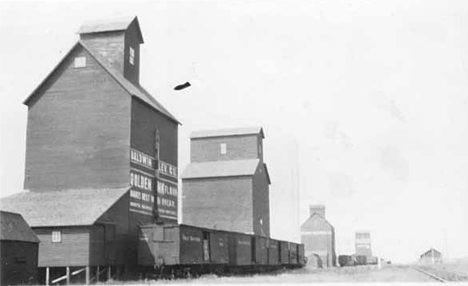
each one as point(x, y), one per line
point(181, 250)
point(347, 260)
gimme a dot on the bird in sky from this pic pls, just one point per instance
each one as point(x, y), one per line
point(182, 86)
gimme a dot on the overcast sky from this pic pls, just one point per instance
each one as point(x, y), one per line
point(363, 103)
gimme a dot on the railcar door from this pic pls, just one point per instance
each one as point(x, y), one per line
point(206, 246)
point(279, 252)
point(253, 250)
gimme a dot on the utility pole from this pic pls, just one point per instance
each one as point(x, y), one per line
point(296, 191)
point(446, 245)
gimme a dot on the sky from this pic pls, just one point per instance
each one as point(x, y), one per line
point(363, 103)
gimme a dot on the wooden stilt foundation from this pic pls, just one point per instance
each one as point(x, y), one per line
point(87, 275)
point(47, 279)
point(109, 272)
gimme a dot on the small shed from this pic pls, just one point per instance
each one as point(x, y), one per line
point(18, 250)
point(431, 256)
point(82, 229)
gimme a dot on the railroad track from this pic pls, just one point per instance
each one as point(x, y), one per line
point(442, 275)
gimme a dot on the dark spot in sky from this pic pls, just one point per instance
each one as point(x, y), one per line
point(182, 86)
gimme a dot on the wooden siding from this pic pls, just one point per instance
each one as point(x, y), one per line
point(318, 237)
point(218, 203)
point(132, 72)
point(73, 250)
point(261, 250)
point(237, 147)
point(78, 132)
point(219, 251)
point(110, 45)
point(145, 121)
point(118, 214)
point(190, 240)
point(240, 249)
point(261, 202)
point(18, 262)
point(273, 252)
point(97, 245)
point(284, 252)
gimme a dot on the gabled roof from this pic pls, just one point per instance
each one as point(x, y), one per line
point(267, 173)
point(215, 169)
point(15, 228)
point(429, 252)
point(312, 219)
point(110, 25)
point(227, 132)
point(64, 207)
point(132, 89)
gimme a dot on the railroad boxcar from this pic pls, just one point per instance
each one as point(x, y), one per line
point(260, 250)
point(371, 260)
point(293, 251)
point(173, 245)
point(182, 249)
point(360, 259)
point(284, 252)
point(219, 247)
point(240, 249)
point(346, 260)
point(273, 252)
point(301, 254)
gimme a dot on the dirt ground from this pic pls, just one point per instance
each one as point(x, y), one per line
point(394, 273)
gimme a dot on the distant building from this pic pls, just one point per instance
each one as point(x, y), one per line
point(431, 256)
point(363, 244)
point(318, 236)
point(19, 250)
point(226, 185)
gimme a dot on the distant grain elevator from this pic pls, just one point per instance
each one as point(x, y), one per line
point(318, 236)
point(363, 243)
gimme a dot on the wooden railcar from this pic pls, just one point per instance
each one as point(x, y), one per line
point(301, 254)
point(273, 252)
point(189, 249)
point(284, 252)
point(240, 249)
point(294, 257)
point(260, 250)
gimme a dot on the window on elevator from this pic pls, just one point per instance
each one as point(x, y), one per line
point(223, 148)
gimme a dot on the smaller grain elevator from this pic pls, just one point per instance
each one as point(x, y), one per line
point(226, 185)
point(318, 236)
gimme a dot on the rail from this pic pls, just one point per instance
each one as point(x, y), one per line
point(440, 279)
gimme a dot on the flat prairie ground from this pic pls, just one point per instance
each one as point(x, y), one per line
point(388, 273)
